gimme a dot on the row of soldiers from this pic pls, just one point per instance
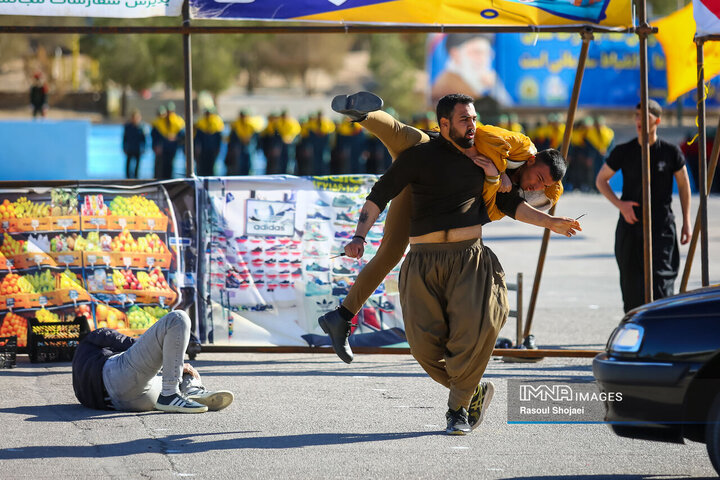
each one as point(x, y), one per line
point(319, 146)
point(590, 142)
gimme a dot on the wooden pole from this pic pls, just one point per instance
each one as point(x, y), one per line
point(643, 32)
point(702, 168)
point(587, 36)
point(696, 229)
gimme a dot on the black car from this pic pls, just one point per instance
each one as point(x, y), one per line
point(663, 362)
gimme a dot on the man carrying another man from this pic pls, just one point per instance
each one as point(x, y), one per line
point(452, 287)
point(536, 176)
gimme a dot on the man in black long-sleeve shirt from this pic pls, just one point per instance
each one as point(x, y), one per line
point(452, 287)
point(114, 372)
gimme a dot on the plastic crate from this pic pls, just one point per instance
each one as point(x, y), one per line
point(8, 351)
point(55, 341)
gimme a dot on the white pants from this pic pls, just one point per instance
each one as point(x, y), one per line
point(131, 377)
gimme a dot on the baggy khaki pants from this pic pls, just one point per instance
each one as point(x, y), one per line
point(454, 302)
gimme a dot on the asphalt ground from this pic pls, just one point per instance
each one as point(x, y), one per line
point(307, 416)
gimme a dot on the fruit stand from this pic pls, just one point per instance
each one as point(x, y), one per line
point(97, 253)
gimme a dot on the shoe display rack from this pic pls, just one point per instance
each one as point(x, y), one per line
point(98, 254)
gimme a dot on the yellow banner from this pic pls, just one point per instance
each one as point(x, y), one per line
point(611, 13)
point(676, 33)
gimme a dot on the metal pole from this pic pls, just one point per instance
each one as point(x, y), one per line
point(696, 229)
point(189, 122)
point(281, 29)
point(587, 36)
point(643, 31)
point(702, 169)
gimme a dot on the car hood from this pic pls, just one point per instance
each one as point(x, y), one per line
point(683, 327)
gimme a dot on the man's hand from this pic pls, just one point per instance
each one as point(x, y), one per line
point(187, 368)
point(685, 233)
point(355, 249)
point(564, 226)
point(505, 183)
point(627, 211)
point(486, 164)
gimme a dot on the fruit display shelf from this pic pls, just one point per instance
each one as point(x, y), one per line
point(40, 224)
point(126, 296)
point(119, 223)
point(41, 259)
point(127, 259)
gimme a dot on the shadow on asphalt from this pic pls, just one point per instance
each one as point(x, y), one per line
point(66, 412)
point(187, 444)
point(612, 477)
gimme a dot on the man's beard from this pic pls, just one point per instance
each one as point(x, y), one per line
point(460, 139)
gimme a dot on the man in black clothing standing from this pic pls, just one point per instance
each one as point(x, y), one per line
point(666, 163)
point(134, 140)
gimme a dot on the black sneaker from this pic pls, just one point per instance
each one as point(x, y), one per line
point(503, 342)
point(357, 105)
point(479, 403)
point(179, 404)
point(338, 328)
point(457, 422)
point(529, 342)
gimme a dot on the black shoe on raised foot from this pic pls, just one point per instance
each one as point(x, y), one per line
point(479, 403)
point(338, 328)
point(457, 422)
point(357, 105)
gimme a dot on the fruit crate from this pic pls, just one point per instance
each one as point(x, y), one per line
point(8, 351)
point(147, 296)
point(67, 259)
point(29, 224)
point(154, 224)
point(15, 301)
point(56, 341)
point(63, 223)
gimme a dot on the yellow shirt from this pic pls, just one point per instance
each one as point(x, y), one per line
point(169, 127)
point(210, 124)
point(288, 128)
point(600, 138)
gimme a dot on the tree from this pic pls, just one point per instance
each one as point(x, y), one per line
point(125, 60)
point(395, 73)
point(294, 55)
point(213, 65)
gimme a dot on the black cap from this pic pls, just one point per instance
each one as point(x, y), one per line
point(653, 107)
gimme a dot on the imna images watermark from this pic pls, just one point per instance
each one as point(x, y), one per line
point(543, 401)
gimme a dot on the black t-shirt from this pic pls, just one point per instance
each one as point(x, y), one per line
point(446, 188)
point(665, 160)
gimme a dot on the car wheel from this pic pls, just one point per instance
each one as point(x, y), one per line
point(712, 433)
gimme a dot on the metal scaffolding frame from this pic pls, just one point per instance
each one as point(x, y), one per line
point(643, 31)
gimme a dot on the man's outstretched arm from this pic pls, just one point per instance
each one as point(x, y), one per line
point(561, 225)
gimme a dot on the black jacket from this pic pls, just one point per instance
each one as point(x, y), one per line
point(88, 362)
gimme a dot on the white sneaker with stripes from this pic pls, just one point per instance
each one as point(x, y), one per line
point(179, 404)
point(215, 400)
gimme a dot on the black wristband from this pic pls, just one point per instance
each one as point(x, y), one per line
point(360, 237)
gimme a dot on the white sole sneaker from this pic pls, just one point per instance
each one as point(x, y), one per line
point(181, 405)
point(214, 400)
